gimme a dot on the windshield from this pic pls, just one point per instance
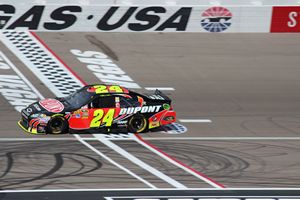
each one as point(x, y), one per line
point(78, 98)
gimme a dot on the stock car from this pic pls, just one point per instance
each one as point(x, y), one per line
point(98, 108)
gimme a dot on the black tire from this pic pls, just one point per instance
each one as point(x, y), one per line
point(137, 124)
point(57, 125)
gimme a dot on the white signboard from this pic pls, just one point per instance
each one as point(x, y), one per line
point(135, 18)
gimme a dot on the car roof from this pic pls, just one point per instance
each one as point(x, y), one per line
point(102, 89)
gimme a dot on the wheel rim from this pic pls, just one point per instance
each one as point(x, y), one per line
point(138, 123)
point(56, 126)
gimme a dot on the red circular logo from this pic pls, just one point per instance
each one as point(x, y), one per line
point(52, 105)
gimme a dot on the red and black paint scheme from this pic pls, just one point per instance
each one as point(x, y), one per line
point(98, 108)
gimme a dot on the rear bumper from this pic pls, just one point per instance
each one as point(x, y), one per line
point(162, 118)
point(168, 118)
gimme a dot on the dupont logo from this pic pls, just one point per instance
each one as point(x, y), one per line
point(216, 19)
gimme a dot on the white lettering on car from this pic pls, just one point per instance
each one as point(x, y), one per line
point(144, 109)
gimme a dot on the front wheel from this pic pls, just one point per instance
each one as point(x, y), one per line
point(57, 125)
point(137, 124)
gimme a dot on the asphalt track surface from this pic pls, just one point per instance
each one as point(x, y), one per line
point(246, 84)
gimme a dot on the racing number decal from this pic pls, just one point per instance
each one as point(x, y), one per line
point(98, 114)
point(108, 118)
point(101, 89)
point(115, 88)
point(105, 89)
point(100, 118)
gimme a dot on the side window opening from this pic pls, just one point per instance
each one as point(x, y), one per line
point(128, 102)
point(104, 102)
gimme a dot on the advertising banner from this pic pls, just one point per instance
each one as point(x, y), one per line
point(88, 18)
point(285, 19)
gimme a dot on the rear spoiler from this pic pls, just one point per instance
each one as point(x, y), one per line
point(159, 93)
point(158, 96)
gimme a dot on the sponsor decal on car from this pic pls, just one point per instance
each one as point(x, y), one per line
point(25, 114)
point(29, 110)
point(122, 122)
point(144, 109)
point(166, 106)
point(52, 105)
point(285, 19)
point(36, 106)
point(85, 114)
point(216, 19)
point(155, 96)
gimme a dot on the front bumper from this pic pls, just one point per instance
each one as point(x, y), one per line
point(32, 129)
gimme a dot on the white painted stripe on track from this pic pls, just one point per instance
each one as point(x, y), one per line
point(113, 162)
point(36, 139)
point(195, 120)
point(160, 88)
point(203, 197)
point(177, 164)
point(143, 189)
point(149, 138)
point(222, 138)
point(139, 162)
point(19, 73)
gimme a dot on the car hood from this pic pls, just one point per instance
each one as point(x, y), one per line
point(46, 106)
point(51, 105)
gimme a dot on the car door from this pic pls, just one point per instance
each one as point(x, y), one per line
point(99, 113)
point(103, 111)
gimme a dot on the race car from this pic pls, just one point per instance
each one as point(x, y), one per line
point(98, 109)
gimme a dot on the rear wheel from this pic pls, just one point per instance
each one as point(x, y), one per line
point(57, 125)
point(137, 124)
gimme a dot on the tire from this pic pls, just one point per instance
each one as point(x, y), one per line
point(137, 124)
point(57, 125)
